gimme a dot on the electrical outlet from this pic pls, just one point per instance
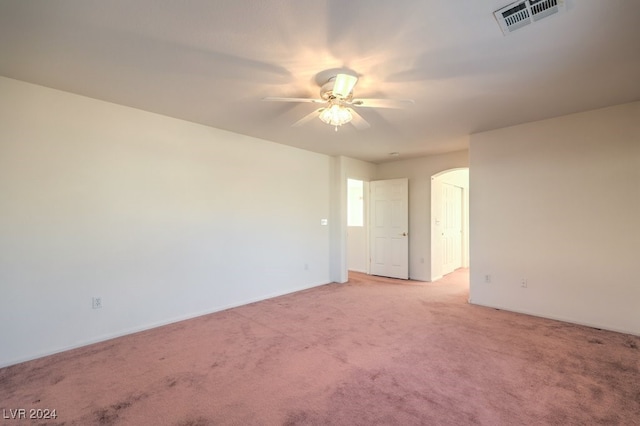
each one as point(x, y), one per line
point(306, 266)
point(487, 278)
point(96, 303)
point(523, 283)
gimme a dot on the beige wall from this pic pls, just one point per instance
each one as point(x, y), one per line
point(162, 218)
point(557, 202)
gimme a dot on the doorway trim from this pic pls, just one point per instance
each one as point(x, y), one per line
point(436, 212)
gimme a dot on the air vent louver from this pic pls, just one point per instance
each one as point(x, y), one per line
point(524, 12)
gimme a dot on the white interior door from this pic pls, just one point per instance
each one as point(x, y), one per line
point(451, 228)
point(389, 228)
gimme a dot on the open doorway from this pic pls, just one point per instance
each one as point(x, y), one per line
point(449, 222)
point(357, 230)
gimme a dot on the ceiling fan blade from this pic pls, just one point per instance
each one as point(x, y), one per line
point(276, 99)
point(343, 85)
point(357, 121)
point(382, 103)
point(307, 118)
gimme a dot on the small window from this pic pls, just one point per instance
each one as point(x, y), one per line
point(355, 202)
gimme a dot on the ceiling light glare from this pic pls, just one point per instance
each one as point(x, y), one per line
point(343, 85)
point(336, 115)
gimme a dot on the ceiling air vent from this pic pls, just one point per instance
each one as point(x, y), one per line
point(524, 12)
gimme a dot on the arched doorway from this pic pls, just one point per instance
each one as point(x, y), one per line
point(449, 222)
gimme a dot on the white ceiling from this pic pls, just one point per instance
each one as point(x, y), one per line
point(212, 62)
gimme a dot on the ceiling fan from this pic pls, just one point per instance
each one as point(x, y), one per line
point(337, 96)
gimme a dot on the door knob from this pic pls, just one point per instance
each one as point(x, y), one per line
point(404, 234)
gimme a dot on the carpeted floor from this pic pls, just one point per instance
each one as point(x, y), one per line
point(373, 351)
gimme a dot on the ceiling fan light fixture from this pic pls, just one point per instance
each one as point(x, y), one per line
point(336, 115)
point(336, 93)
